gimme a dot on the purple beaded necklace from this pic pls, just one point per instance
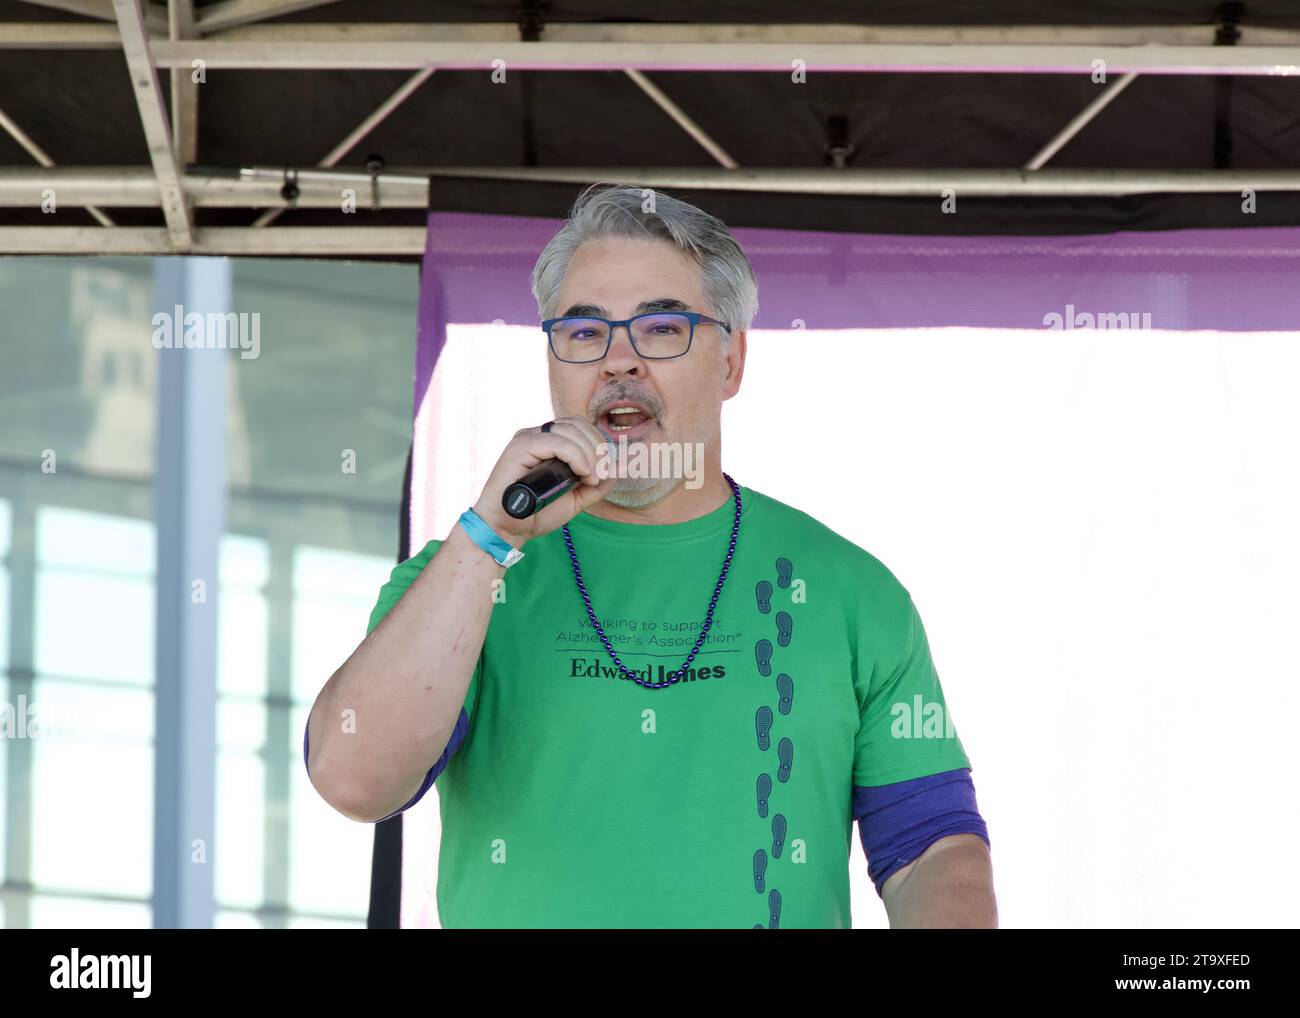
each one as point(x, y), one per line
point(708, 618)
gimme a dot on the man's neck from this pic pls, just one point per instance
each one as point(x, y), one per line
point(678, 506)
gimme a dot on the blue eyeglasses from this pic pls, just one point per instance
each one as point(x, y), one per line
point(655, 335)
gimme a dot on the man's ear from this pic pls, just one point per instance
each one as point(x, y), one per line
point(735, 365)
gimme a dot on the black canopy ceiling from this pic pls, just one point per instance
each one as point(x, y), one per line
point(80, 107)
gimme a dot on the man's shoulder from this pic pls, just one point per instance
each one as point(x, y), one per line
point(405, 572)
point(809, 537)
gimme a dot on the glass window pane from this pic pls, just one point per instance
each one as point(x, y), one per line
point(95, 541)
point(4, 787)
point(95, 626)
point(82, 380)
point(94, 596)
point(243, 622)
point(334, 373)
point(50, 912)
point(241, 828)
point(329, 855)
point(6, 524)
point(92, 792)
point(312, 923)
point(334, 593)
point(232, 920)
point(318, 428)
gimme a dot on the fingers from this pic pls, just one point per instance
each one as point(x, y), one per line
point(576, 427)
point(574, 441)
point(588, 438)
point(568, 446)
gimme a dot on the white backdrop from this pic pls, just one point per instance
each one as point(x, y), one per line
point(1102, 533)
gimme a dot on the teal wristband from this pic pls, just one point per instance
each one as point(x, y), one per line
point(488, 539)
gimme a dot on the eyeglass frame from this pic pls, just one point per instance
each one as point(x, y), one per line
point(694, 317)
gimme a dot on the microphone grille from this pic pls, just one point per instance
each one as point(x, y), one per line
point(609, 441)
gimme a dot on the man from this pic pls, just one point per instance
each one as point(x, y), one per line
point(671, 710)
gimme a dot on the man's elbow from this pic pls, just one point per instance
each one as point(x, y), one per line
point(950, 885)
point(349, 798)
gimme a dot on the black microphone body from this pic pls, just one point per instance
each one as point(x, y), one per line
point(537, 487)
point(544, 482)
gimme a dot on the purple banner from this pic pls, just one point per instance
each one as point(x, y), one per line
point(476, 269)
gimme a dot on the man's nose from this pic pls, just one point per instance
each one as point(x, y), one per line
point(622, 358)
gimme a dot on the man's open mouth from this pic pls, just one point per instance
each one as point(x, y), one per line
point(625, 418)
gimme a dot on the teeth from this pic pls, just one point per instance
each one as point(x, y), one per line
point(619, 410)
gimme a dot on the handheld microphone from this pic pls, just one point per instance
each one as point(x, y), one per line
point(541, 485)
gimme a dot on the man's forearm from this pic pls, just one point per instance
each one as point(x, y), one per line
point(950, 885)
point(403, 686)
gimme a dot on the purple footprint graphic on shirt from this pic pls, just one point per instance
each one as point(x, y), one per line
point(763, 722)
point(783, 570)
point(785, 690)
point(763, 727)
point(764, 790)
point(785, 755)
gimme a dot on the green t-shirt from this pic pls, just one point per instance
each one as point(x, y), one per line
point(579, 798)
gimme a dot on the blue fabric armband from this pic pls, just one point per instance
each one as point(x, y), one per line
point(488, 539)
point(899, 821)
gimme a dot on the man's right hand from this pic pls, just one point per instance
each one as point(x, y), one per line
point(574, 440)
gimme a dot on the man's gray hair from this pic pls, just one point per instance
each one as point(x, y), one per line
point(617, 210)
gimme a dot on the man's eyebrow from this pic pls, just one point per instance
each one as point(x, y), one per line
point(658, 304)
